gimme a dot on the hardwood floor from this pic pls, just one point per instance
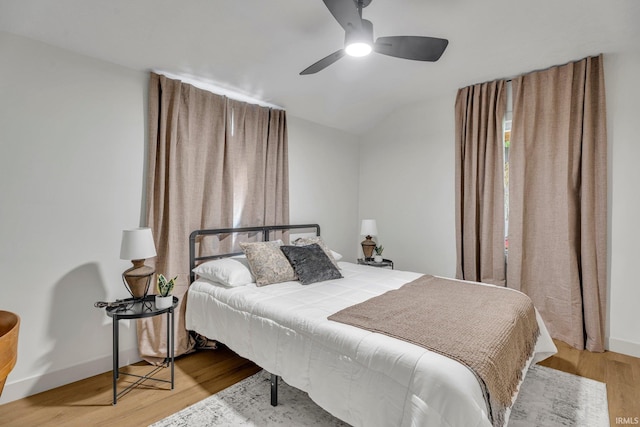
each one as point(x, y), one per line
point(199, 375)
point(88, 402)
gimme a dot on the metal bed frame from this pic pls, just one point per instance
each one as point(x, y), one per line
point(266, 236)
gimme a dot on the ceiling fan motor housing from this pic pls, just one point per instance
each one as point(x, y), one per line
point(364, 35)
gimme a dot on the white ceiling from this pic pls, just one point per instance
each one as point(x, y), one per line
point(258, 47)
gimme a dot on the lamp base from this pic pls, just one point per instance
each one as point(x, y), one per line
point(368, 246)
point(138, 278)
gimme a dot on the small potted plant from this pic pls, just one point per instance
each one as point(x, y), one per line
point(164, 299)
point(378, 256)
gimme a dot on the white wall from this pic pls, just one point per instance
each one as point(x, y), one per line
point(72, 149)
point(72, 154)
point(407, 186)
point(407, 183)
point(323, 182)
point(623, 111)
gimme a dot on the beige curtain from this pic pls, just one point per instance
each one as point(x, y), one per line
point(558, 199)
point(213, 162)
point(261, 182)
point(479, 112)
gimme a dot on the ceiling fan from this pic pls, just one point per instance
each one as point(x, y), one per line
point(358, 40)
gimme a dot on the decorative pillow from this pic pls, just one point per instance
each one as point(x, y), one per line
point(226, 271)
point(311, 263)
point(267, 262)
point(336, 255)
point(304, 241)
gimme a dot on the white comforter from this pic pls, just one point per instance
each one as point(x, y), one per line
point(363, 378)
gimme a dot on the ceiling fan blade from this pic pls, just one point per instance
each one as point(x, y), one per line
point(411, 47)
point(323, 63)
point(346, 13)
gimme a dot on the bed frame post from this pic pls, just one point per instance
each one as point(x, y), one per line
point(274, 390)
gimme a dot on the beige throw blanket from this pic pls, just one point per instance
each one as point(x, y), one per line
point(490, 330)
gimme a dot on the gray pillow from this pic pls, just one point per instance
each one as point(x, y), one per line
point(310, 263)
point(304, 241)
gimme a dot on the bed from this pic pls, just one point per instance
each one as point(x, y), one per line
point(361, 377)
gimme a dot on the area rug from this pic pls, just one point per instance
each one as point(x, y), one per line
point(548, 398)
point(554, 398)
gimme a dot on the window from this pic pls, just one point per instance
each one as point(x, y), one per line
point(506, 139)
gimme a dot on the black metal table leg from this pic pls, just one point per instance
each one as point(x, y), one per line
point(115, 359)
point(172, 347)
point(274, 390)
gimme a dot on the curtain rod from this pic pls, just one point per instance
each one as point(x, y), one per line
point(218, 90)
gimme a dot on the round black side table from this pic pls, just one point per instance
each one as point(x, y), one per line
point(370, 262)
point(137, 309)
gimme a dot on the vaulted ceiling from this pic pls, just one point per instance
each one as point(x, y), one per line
point(258, 47)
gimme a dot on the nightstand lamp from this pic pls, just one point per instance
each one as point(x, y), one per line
point(368, 229)
point(137, 245)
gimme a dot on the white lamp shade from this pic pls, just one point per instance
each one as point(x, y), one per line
point(137, 244)
point(369, 227)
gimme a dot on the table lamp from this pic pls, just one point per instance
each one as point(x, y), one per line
point(137, 244)
point(368, 229)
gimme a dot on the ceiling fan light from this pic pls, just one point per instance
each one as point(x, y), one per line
point(359, 42)
point(358, 49)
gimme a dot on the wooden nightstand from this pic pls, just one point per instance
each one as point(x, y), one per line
point(385, 263)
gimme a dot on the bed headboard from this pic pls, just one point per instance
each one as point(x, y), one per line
point(260, 233)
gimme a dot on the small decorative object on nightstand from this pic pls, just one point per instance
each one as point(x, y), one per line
point(368, 229)
point(378, 257)
point(384, 263)
point(164, 298)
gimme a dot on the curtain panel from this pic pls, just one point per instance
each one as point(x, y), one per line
point(479, 113)
point(558, 199)
point(213, 162)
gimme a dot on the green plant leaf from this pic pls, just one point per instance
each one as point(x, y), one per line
point(165, 286)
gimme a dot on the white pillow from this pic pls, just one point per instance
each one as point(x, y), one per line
point(230, 272)
point(336, 255)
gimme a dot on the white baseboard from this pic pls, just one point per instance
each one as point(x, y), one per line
point(37, 384)
point(625, 347)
